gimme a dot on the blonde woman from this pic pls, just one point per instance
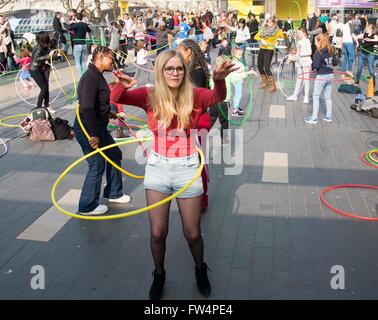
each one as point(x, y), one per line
point(173, 107)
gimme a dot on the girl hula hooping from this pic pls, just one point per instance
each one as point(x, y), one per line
point(173, 108)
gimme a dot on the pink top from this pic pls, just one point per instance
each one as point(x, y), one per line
point(25, 62)
point(171, 142)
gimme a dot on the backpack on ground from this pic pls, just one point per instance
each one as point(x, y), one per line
point(41, 130)
point(40, 113)
point(349, 88)
point(61, 129)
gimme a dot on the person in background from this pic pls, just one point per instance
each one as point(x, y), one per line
point(224, 49)
point(319, 29)
point(141, 54)
point(325, 59)
point(24, 59)
point(6, 44)
point(236, 79)
point(268, 35)
point(71, 19)
point(303, 56)
point(161, 35)
point(242, 36)
point(312, 22)
point(348, 46)
point(115, 35)
point(80, 28)
point(208, 36)
point(253, 26)
point(59, 33)
point(204, 46)
point(369, 39)
point(39, 70)
point(198, 26)
point(356, 25)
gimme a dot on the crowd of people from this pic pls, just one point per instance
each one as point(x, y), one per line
point(185, 90)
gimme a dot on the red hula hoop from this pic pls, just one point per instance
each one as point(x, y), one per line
point(347, 214)
point(334, 80)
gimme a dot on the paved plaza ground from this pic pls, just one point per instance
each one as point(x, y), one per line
point(266, 233)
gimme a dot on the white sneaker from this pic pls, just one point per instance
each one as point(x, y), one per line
point(305, 100)
point(291, 98)
point(100, 209)
point(51, 110)
point(124, 199)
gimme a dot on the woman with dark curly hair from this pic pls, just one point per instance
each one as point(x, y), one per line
point(194, 58)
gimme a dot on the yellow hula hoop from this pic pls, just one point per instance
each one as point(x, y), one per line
point(56, 79)
point(132, 175)
point(11, 117)
point(151, 51)
point(125, 214)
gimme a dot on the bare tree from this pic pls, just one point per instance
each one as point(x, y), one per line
point(3, 3)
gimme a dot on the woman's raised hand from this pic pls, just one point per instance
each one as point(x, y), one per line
point(223, 71)
point(124, 79)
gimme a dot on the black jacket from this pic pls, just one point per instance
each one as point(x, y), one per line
point(197, 26)
point(39, 56)
point(81, 30)
point(59, 31)
point(253, 26)
point(94, 100)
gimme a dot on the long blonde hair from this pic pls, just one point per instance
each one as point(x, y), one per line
point(165, 106)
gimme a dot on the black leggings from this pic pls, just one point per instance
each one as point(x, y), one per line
point(264, 60)
point(215, 113)
point(42, 80)
point(3, 61)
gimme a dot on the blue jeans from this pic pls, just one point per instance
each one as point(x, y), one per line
point(90, 193)
point(79, 50)
point(198, 38)
point(348, 49)
point(244, 47)
point(238, 86)
point(362, 57)
point(323, 83)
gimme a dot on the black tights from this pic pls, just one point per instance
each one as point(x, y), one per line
point(190, 212)
point(42, 80)
point(264, 60)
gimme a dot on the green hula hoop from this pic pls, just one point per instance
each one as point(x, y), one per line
point(247, 115)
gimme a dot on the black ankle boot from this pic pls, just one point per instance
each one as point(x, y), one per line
point(203, 283)
point(157, 287)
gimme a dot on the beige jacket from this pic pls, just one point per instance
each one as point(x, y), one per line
point(3, 35)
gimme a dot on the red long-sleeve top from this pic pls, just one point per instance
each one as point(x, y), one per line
point(171, 142)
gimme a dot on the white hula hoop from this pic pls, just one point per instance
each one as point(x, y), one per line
point(22, 98)
point(279, 72)
point(5, 148)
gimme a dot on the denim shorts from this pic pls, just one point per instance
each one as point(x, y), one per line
point(169, 175)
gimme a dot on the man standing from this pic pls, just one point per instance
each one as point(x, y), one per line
point(80, 28)
point(59, 32)
point(312, 22)
point(161, 35)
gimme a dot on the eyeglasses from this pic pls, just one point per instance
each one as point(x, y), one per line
point(170, 70)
